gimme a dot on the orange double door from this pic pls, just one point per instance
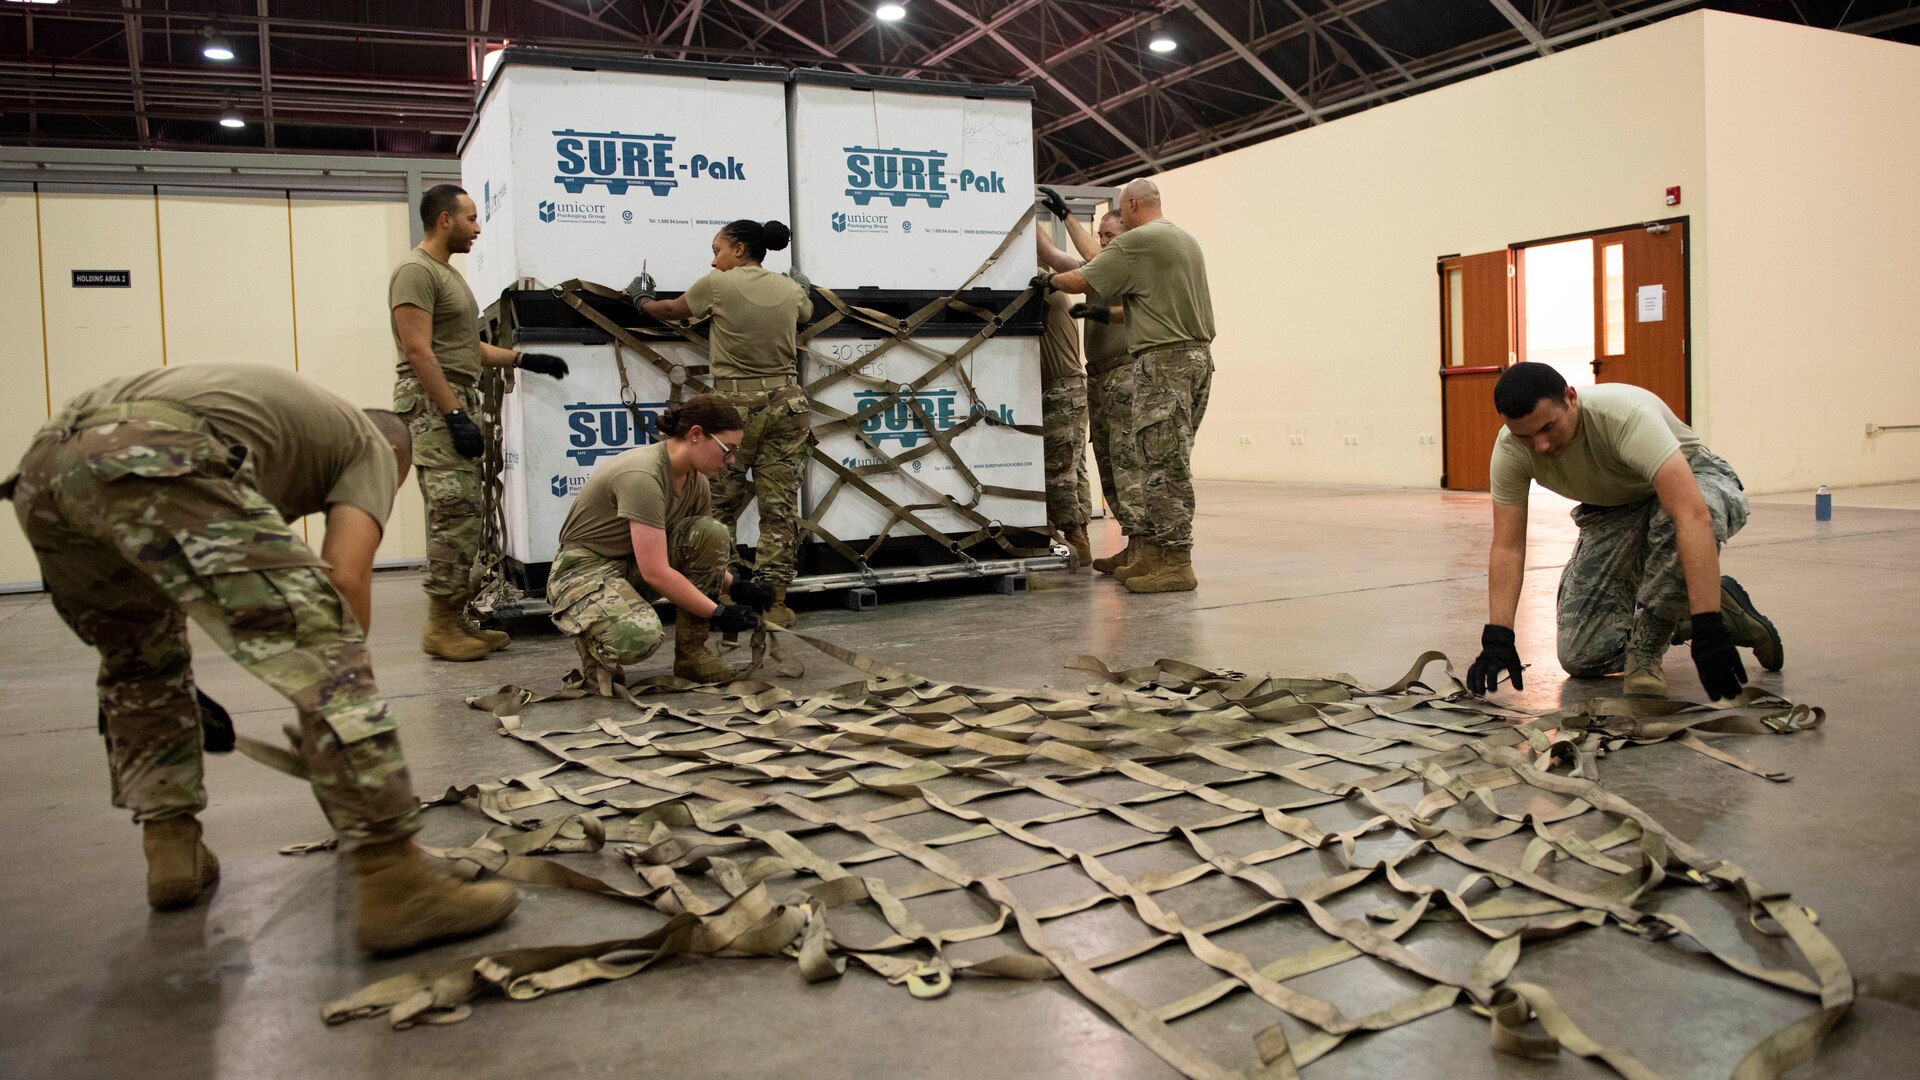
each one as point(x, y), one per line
point(1639, 288)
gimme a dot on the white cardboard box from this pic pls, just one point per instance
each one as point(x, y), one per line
point(593, 173)
point(911, 191)
point(1005, 371)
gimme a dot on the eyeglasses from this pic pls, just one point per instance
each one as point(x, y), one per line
point(725, 450)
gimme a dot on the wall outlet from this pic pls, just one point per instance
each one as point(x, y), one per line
point(1426, 440)
point(1246, 440)
point(1353, 440)
point(1298, 439)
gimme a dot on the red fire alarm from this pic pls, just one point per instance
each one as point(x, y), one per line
point(1673, 196)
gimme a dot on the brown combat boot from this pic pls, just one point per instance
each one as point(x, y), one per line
point(180, 869)
point(1111, 565)
point(1645, 678)
point(1082, 547)
point(1172, 571)
point(406, 901)
point(779, 614)
point(447, 635)
point(1146, 558)
point(692, 660)
point(1748, 627)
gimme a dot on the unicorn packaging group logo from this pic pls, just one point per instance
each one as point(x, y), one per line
point(839, 222)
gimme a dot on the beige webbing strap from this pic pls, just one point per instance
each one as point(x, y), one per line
point(683, 792)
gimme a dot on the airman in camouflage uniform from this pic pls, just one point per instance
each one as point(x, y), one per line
point(1155, 269)
point(753, 319)
point(642, 530)
point(1655, 506)
point(167, 495)
point(436, 327)
point(1063, 420)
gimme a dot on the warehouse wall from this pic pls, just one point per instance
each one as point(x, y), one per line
point(1813, 146)
point(297, 281)
point(1321, 245)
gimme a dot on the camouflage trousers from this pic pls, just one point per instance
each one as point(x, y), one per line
point(1115, 453)
point(138, 525)
point(1623, 591)
point(1170, 397)
point(449, 485)
point(1063, 417)
point(767, 471)
point(606, 603)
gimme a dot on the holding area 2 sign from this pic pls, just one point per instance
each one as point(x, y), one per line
point(103, 279)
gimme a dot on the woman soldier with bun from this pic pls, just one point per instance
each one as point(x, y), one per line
point(755, 318)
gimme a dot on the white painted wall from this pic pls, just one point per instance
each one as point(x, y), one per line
point(296, 281)
point(1813, 154)
point(1797, 151)
point(1321, 245)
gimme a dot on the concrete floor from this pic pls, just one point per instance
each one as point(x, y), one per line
point(1295, 580)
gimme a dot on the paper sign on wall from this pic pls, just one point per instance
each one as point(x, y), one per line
point(1653, 303)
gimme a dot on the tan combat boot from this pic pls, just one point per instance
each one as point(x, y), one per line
point(692, 660)
point(180, 869)
point(1146, 557)
point(1078, 543)
point(406, 901)
point(1645, 678)
point(1111, 565)
point(779, 614)
point(447, 635)
point(595, 676)
point(495, 639)
point(1172, 572)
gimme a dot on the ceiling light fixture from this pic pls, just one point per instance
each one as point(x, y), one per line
point(491, 61)
point(1159, 40)
point(890, 12)
point(230, 118)
point(215, 45)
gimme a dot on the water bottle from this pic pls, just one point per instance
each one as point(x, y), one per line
point(1823, 504)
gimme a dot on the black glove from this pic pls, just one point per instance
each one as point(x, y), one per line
point(750, 590)
point(1497, 654)
point(733, 619)
point(216, 724)
point(1042, 282)
point(1091, 312)
point(1055, 205)
point(1715, 657)
point(466, 434)
point(543, 364)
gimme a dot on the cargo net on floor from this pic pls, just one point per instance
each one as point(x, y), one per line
point(1273, 830)
point(951, 316)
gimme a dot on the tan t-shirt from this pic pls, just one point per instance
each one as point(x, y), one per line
point(433, 286)
point(1059, 344)
point(755, 314)
point(309, 449)
point(1626, 433)
point(635, 485)
point(1157, 271)
point(1106, 344)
